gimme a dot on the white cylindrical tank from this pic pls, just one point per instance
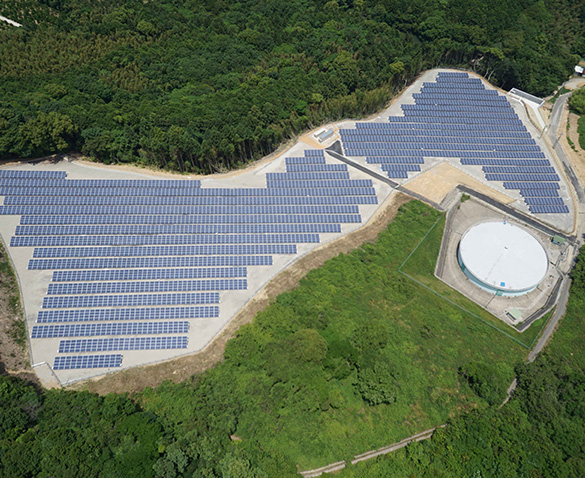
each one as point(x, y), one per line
point(502, 258)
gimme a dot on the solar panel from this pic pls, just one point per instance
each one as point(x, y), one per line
point(138, 313)
point(130, 287)
point(148, 274)
point(136, 300)
point(109, 328)
point(87, 361)
point(122, 343)
point(148, 262)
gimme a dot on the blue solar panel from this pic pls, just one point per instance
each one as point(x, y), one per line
point(149, 274)
point(153, 208)
point(129, 287)
point(141, 313)
point(149, 262)
point(122, 343)
point(109, 328)
point(137, 300)
point(152, 239)
point(8, 173)
point(230, 249)
point(87, 361)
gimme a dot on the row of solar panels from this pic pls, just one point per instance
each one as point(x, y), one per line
point(394, 160)
point(445, 127)
point(143, 313)
point(504, 162)
point(9, 173)
point(69, 362)
point(244, 219)
point(400, 167)
point(178, 201)
point(312, 175)
point(187, 209)
point(141, 251)
point(149, 274)
point(496, 100)
point(275, 188)
point(143, 229)
point(458, 80)
point(122, 343)
point(137, 300)
point(543, 201)
point(109, 328)
point(397, 151)
point(530, 185)
point(522, 177)
point(397, 174)
point(438, 145)
point(360, 137)
point(397, 130)
point(123, 184)
point(149, 262)
point(297, 168)
point(162, 240)
point(537, 193)
point(472, 113)
point(518, 170)
point(459, 109)
point(326, 183)
point(480, 123)
point(460, 102)
point(143, 286)
point(549, 209)
point(459, 89)
point(305, 160)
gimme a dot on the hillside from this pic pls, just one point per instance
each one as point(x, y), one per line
point(208, 85)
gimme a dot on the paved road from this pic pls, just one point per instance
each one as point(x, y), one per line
point(552, 323)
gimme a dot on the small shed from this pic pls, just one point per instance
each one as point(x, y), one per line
point(558, 240)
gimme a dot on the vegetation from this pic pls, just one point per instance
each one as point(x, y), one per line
point(540, 432)
point(577, 105)
point(355, 358)
point(10, 296)
point(202, 85)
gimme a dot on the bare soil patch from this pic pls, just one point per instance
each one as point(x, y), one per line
point(180, 369)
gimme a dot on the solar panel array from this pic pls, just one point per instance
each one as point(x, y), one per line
point(457, 117)
point(135, 261)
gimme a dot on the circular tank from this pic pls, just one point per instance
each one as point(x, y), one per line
point(502, 258)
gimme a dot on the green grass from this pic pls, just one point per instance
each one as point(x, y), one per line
point(310, 411)
point(581, 131)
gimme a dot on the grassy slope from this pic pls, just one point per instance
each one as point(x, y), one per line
point(282, 400)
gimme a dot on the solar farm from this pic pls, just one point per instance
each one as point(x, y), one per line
point(456, 118)
point(117, 270)
point(128, 266)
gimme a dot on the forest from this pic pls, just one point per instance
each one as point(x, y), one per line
point(208, 85)
point(355, 358)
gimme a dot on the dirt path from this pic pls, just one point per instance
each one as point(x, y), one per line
point(177, 370)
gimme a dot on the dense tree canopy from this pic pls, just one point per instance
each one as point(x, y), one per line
point(201, 85)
